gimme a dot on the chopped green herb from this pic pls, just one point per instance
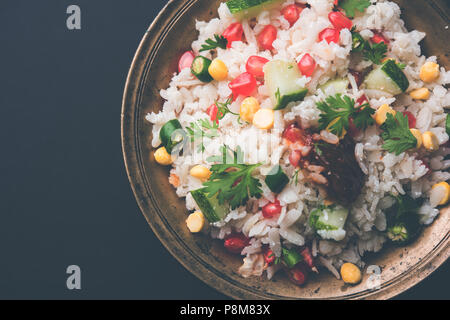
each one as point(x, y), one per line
point(200, 129)
point(219, 42)
point(374, 52)
point(233, 182)
point(396, 134)
point(447, 124)
point(350, 6)
point(337, 110)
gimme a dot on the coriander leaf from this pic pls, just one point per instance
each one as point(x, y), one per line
point(396, 134)
point(202, 128)
point(228, 156)
point(223, 108)
point(373, 52)
point(336, 112)
point(233, 183)
point(350, 6)
point(220, 42)
point(363, 118)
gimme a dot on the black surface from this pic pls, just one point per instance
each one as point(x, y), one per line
point(65, 195)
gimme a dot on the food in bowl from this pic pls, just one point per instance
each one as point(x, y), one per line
point(304, 134)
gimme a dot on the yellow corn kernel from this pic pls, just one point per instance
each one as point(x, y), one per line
point(344, 132)
point(248, 109)
point(418, 135)
point(429, 72)
point(430, 141)
point(200, 172)
point(420, 94)
point(195, 221)
point(446, 187)
point(163, 157)
point(218, 70)
point(381, 114)
point(350, 273)
point(264, 118)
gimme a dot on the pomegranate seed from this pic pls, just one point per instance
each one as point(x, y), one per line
point(329, 35)
point(244, 85)
point(361, 100)
point(411, 119)
point(267, 36)
point(292, 133)
point(339, 20)
point(234, 32)
point(307, 64)
point(271, 209)
point(269, 256)
point(291, 13)
point(307, 257)
point(297, 275)
point(379, 37)
point(294, 158)
point(235, 242)
point(212, 112)
point(255, 66)
point(185, 60)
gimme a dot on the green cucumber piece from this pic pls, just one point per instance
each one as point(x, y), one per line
point(250, 8)
point(447, 124)
point(339, 85)
point(291, 257)
point(169, 134)
point(280, 78)
point(276, 179)
point(199, 68)
point(210, 207)
point(394, 72)
point(389, 78)
point(328, 218)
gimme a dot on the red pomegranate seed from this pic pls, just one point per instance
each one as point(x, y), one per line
point(293, 133)
point(255, 66)
point(291, 13)
point(411, 119)
point(294, 158)
point(212, 112)
point(379, 37)
point(271, 209)
point(297, 275)
point(185, 60)
point(244, 85)
point(339, 20)
point(329, 35)
point(307, 64)
point(307, 257)
point(233, 33)
point(361, 100)
point(267, 36)
point(269, 256)
point(235, 242)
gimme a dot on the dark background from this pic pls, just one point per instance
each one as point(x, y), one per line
point(65, 197)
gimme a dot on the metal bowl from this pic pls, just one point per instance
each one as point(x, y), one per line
point(170, 34)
